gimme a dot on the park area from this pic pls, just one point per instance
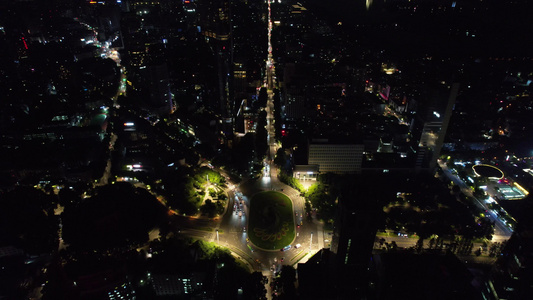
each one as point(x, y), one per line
point(271, 224)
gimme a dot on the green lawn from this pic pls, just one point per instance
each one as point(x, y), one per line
point(271, 223)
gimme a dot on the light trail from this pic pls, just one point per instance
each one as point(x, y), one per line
point(268, 82)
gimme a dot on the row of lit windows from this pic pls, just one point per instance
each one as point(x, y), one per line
point(335, 148)
point(337, 166)
point(340, 152)
point(332, 157)
point(145, 3)
point(330, 160)
point(336, 155)
point(339, 170)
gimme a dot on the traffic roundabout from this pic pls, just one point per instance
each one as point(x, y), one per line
point(271, 223)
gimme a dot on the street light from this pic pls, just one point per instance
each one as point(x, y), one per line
point(218, 241)
point(311, 241)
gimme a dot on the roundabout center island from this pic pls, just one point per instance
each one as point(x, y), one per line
point(271, 221)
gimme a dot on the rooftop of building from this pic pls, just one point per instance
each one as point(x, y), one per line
point(405, 275)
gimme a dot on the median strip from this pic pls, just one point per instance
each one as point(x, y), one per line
point(298, 257)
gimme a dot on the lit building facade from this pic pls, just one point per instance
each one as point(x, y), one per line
point(336, 158)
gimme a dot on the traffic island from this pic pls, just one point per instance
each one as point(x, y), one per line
point(271, 222)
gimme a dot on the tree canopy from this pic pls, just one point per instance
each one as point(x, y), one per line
point(27, 220)
point(117, 215)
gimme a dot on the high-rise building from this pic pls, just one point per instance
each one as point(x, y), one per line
point(431, 125)
point(512, 275)
point(354, 233)
point(315, 277)
point(215, 25)
point(343, 271)
point(432, 275)
point(240, 82)
point(155, 78)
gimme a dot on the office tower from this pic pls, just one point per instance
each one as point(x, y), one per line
point(316, 278)
point(354, 231)
point(512, 275)
point(408, 275)
point(432, 122)
point(215, 25)
point(155, 78)
point(240, 82)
